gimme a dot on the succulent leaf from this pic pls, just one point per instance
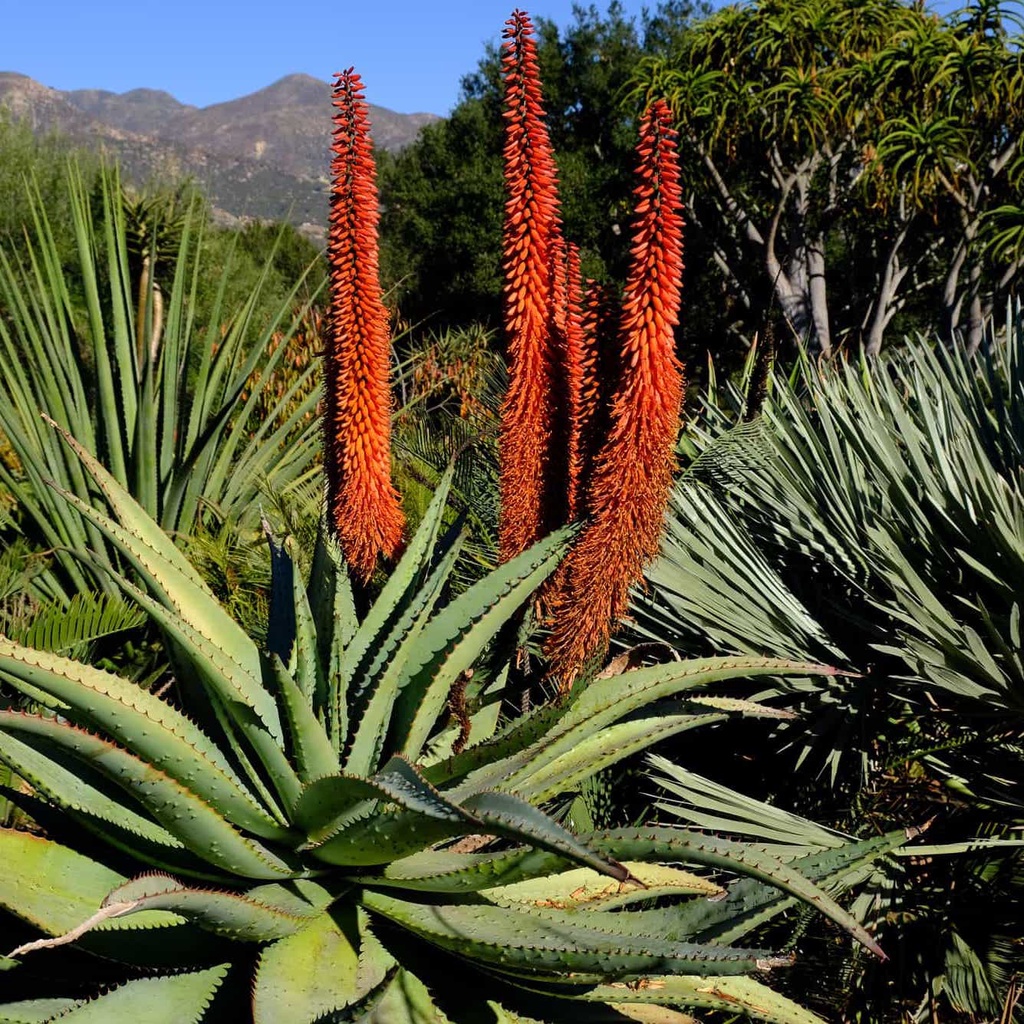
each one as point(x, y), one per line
point(333, 607)
point(147, 726)
point(750, 903)
point(311, 972)
point(597, 752)
point(205, 653)
point(291, 631)
point(605, 701)
point(505, 815)
point(728, 994)
point(175, 999)
point(455, 637)
point(398, 589)
point(584, 888)
point(514, 737)
point(386, 671)
point(407, 1001)
point(131, 515)
point(34, 1011)
point(187, 601)
point(517, 940)
point(737, 857)
point(56, 888)
point(311, 747)
point(262, 915)
point(201, 828)
point(70, 790)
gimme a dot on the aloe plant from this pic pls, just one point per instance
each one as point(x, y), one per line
point(305, 812)
point(163, 400)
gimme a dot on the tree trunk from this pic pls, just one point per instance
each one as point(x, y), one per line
point(819, 294)
point(886, 304)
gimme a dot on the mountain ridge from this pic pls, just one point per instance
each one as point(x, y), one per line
point(263, 155)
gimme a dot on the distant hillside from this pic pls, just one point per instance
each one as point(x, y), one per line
point(263, 155)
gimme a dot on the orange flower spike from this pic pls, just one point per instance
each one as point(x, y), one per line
point(364, 509)
point(627, 495)
point(599, 370)
point(529, 503)
point(574, 354)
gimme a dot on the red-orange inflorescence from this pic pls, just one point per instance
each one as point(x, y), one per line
point(363, 506)
point(628, 492)
point(532, 467)
point(572, 350)
point(599, 368)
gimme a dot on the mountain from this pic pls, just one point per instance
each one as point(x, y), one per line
point(263, 155)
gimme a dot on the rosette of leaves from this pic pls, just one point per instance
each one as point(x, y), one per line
point(148, 377)
point(342, 825)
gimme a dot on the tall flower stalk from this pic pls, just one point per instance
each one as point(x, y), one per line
point(363, 506)
point(532, 468)
point(570, 345)
point(628, 491)
point(598, 366)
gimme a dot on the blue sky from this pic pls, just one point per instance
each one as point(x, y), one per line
point(411, 55)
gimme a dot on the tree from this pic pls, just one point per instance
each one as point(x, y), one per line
point(948, 126)
point(873, 133)
point(28, 159)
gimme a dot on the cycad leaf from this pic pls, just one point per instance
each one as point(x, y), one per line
point(88, 617)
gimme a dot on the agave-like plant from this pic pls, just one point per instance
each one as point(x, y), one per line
point(872, 517)
point(285, 822)
point(164, 401)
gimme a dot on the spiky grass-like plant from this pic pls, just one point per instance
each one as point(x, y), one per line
point(363, 506)
point(530, 502)
point(628, 492)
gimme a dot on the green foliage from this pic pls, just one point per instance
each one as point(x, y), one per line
point(872, 136)
point(872, 517)
point(307, 818)
point(161, 397)
point(26, 157)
